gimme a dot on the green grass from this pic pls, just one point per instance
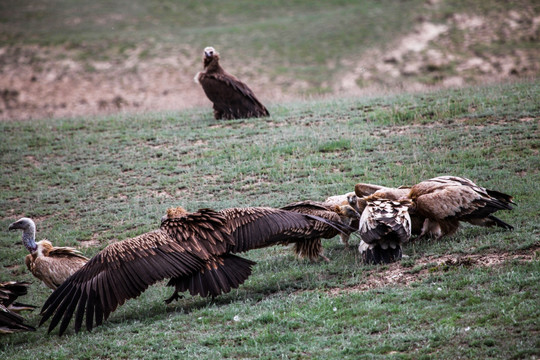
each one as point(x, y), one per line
point(109, 178)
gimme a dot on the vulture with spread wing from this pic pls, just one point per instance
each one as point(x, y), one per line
point(232, 98)
point(446, 200)
point(311, 247)
point(50, 264)
point(194, 250)
point(10, 320)
point(384, 226)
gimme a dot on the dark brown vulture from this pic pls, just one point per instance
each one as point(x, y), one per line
point(446, 200)
point(10, 320)
point(194, 250)
point(384, 226)
point(50, 264)
point(311, 246)
point(232, 98)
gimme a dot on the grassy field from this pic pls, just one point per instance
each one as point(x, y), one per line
point(90, 181)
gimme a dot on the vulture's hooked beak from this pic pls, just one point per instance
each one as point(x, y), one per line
point(12, 227)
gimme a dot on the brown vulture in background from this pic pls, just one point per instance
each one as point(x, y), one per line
point(10, 320)
point(232, 98)
point(384, 226)
point(446, 200)
point(194, 250)
point(311, 247)
point(50, 264)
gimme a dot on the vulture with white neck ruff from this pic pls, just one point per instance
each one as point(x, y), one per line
point(232, 98)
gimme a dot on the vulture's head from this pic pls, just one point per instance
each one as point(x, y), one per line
point(210, 54)
point(349, 212)
point(173, 213)
point(22, 224)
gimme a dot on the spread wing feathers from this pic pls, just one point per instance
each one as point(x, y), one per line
point(385, 222)
point(220, 275)
point(320, 210)
point(205, 231)
point(11, 322)
point(258, 227)
point(232, 98)
point(122, 271)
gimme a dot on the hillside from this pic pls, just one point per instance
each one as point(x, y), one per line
point(72, 58)
point(93, 180)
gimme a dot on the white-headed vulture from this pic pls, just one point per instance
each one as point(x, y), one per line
point(232, 98)
point(50, 264)
point(193, 250)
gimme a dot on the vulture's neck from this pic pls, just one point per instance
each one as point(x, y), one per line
point(29, 239)
point(213, 66)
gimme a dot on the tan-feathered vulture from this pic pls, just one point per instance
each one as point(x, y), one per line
point(446, 200)
point(10, 320)
point(193, 250)
point(311, 247)
point(384, 226)
point(232, 98)
point(50, 264)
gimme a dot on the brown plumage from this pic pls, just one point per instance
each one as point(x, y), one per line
point(384, 226)
point(50, 264)
point(10, 320)
point(194, 250)
point(355, 203)
point(440, 203)
point(311, 247)
point(446, 200)
point(363, 190)
point(232, 98)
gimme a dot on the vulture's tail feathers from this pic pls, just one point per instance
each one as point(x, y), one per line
point(226, 273)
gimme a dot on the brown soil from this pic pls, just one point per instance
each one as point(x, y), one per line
point(398, 275)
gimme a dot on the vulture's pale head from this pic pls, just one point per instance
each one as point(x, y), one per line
point(28, 228)
point(210, 55)
point(210, 52)
point(23, 224)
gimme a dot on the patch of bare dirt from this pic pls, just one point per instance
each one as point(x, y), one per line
point(466, 49)
point(46, 82)
point(58, 81)
point(397, 274)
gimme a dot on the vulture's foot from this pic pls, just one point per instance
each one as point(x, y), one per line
point(174, 296)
